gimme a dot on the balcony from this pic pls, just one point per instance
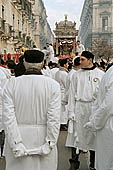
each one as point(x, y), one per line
point(16, 1)
point(28, 42)
point(23, 38)
point(17, 37)
point(23, 5)
point(2, 26)
point(32, 2)
point(105, 2)
point(16, 34)
point(104, 30)
point(24, 30)
point(8, 32)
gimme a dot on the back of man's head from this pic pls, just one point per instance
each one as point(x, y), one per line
point(76, 53)
point(78, 41)
point(33, 56)
point(45, 48)
point(34, 46)
point(62, 62)
point(77, 61)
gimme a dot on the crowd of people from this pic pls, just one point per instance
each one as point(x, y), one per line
point(43, 95)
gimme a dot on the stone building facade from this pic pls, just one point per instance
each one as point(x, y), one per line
point(96, 22)
point(23, 23)
point(44, 31)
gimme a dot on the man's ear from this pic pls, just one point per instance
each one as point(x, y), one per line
point(90, 59)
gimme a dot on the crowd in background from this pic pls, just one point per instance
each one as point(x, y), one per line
point(79, 79)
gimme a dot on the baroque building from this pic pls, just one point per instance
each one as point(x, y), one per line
point(96, 22)
point(44, 31)
point(23, 23)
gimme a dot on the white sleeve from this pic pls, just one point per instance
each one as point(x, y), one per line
point(71, 100)
point(105, 110)
point(83, 48)
point(3, 80)
point(53, 115)
point(9, 119)
point(66, 94)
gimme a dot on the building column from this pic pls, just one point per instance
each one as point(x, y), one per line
point(56, 46)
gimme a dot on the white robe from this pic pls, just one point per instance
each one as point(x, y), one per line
point(83, 92)
point(80, 48)
point(60, 77)
point(68, 82)
point(53, 72)
point(4, 75)
point(31, 115)
point(51, 53)
point(46, 72)
point(102, 122)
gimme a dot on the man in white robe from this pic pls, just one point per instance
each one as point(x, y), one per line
point(80, 47)
point(31, 118)
point(76, 67)
point(69, 141)
point(101, 123)
point(50, 54)
point(4, 75)
point(60, 77)
point(83, 92)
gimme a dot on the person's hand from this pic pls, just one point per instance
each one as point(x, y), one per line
point(71, 116)
point(20, 150)
point(45, 149)
point(88, 125)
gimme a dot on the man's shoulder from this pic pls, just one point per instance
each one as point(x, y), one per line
point(36, 78)
point(52, 81)
point(76, 74)
point(99, 71)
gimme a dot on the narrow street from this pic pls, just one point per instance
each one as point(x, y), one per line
point(65, 154)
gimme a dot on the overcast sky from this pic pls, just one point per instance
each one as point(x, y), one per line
point(56, 9)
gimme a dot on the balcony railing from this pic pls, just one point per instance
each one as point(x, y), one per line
point(102, 2)
point(104, 30)
point(2, 25)
point(28, 41)
point(8, 30)
point(24, 6)
point(16, 35)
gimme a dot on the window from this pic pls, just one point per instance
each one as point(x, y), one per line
point(3, 12)
point(105, 23)
point(18, 24)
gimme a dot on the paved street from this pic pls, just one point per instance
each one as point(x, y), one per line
point(2, 164)
point(64, 155)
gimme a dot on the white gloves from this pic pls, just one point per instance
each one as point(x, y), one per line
point(71, 116)
point(46, 149)
point(42, 150)
point(90, 126)
point(20, 150)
